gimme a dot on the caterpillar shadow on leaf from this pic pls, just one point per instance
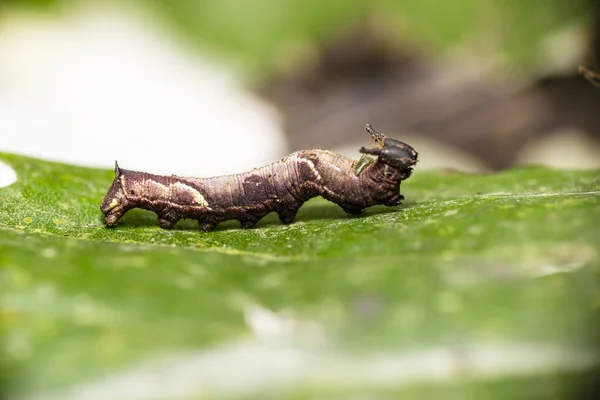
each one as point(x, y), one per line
point(138, 218)
point(281, 187)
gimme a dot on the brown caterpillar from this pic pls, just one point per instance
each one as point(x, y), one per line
point(282, 187)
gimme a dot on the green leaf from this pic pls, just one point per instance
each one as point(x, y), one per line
point(481, 268)
point(272, 34)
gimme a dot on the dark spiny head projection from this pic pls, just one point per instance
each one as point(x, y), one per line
point(398, 155)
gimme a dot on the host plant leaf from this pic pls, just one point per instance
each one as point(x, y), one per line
point(468, 261)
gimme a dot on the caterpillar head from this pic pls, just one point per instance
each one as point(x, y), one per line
point(116, 201)
point(398, 155)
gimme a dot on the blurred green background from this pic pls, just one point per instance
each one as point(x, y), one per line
point(264, 35)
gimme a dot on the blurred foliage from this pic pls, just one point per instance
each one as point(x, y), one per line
point(261, 36)
point(500, 258)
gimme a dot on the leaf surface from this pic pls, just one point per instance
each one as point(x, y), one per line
point(471, 267)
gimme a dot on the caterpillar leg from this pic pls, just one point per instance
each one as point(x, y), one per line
point(206, 226)
point(111, 218)
point(113, 215)
point(395, 200)
point(287, 214)
point(249, 220)
point(248, 223)
point(167, 219)
point(352, 210)
point(167, 223)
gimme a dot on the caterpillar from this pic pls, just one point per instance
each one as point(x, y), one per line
point(282, 187)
